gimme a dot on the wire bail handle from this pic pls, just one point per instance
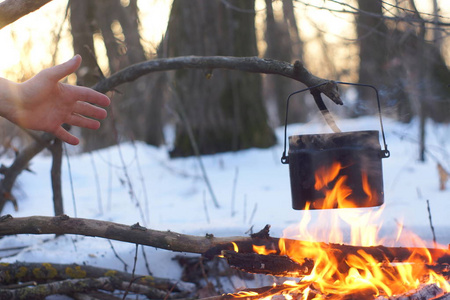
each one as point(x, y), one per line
point(384, 153)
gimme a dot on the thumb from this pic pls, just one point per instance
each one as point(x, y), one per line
point(58, 72)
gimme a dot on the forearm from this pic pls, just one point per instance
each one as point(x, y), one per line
point(9, 99)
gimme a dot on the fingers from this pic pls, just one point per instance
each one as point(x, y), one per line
point(75, 120)
point(58, 72)
point(65, 136)
point(89, 110)
point(81, 121)
point(91, 96)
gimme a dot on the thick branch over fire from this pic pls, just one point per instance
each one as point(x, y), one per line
point(207, 245)
point(294, 71)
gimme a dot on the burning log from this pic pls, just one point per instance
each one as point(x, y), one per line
point(379, 253)
point(429, 291)
point(277, 265)
point(337, 271)
point(426, 292)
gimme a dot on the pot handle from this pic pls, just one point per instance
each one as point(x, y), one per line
point(384, 153)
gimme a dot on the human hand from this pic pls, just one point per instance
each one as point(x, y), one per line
point(44, 103)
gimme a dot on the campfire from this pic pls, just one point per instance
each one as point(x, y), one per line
point(338, 176)
point(321, 266)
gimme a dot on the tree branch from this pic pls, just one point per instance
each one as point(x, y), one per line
point(12, 10)
point(294, 71)
point(20, 163)
point(57, 152)
point(135, 234)
point(44, 272)
point(207, 245)
point(61, 287)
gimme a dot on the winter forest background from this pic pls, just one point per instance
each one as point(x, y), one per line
point(198, 151)
point(399, 46)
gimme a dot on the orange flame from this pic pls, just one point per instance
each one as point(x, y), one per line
point(263, 250)
point(339, 194)
point(235, 247)
point(337, 273)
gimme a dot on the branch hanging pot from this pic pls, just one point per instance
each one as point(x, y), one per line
point(335, 170)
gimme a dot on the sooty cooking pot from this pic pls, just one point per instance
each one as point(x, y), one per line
point(335, 170)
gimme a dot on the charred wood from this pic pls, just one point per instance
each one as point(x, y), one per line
point(207, 245)
point(425, 292)
point(277, 265)
point(379, 253)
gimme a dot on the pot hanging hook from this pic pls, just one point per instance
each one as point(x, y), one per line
point(316, 93)
point(335, 170)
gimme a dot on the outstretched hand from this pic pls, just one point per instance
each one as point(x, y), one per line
point(44, 103)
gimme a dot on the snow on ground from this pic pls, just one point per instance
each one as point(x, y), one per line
point(133, 183)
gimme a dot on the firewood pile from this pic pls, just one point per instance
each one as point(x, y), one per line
point(254, 267)
point(241, 255)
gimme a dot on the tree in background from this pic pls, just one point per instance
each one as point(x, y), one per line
point(401, 51)
point(119, 30)
point(372, 41)
point(224, 110)
point(283, 43)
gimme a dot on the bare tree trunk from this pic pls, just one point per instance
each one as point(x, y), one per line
point(82, 14)
point(437, 33)
point(283, 43)
point(294, 32)
point(119, 28)
point(422, 73)
point(57, 152)
point(82, 20)
point(372, 34)
point(225, 110)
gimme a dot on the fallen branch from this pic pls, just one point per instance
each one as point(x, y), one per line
point(42, 272)
point(20, 163)
point(60, 287)
point(135, 234)
point(207, 245)
point(71, 286)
